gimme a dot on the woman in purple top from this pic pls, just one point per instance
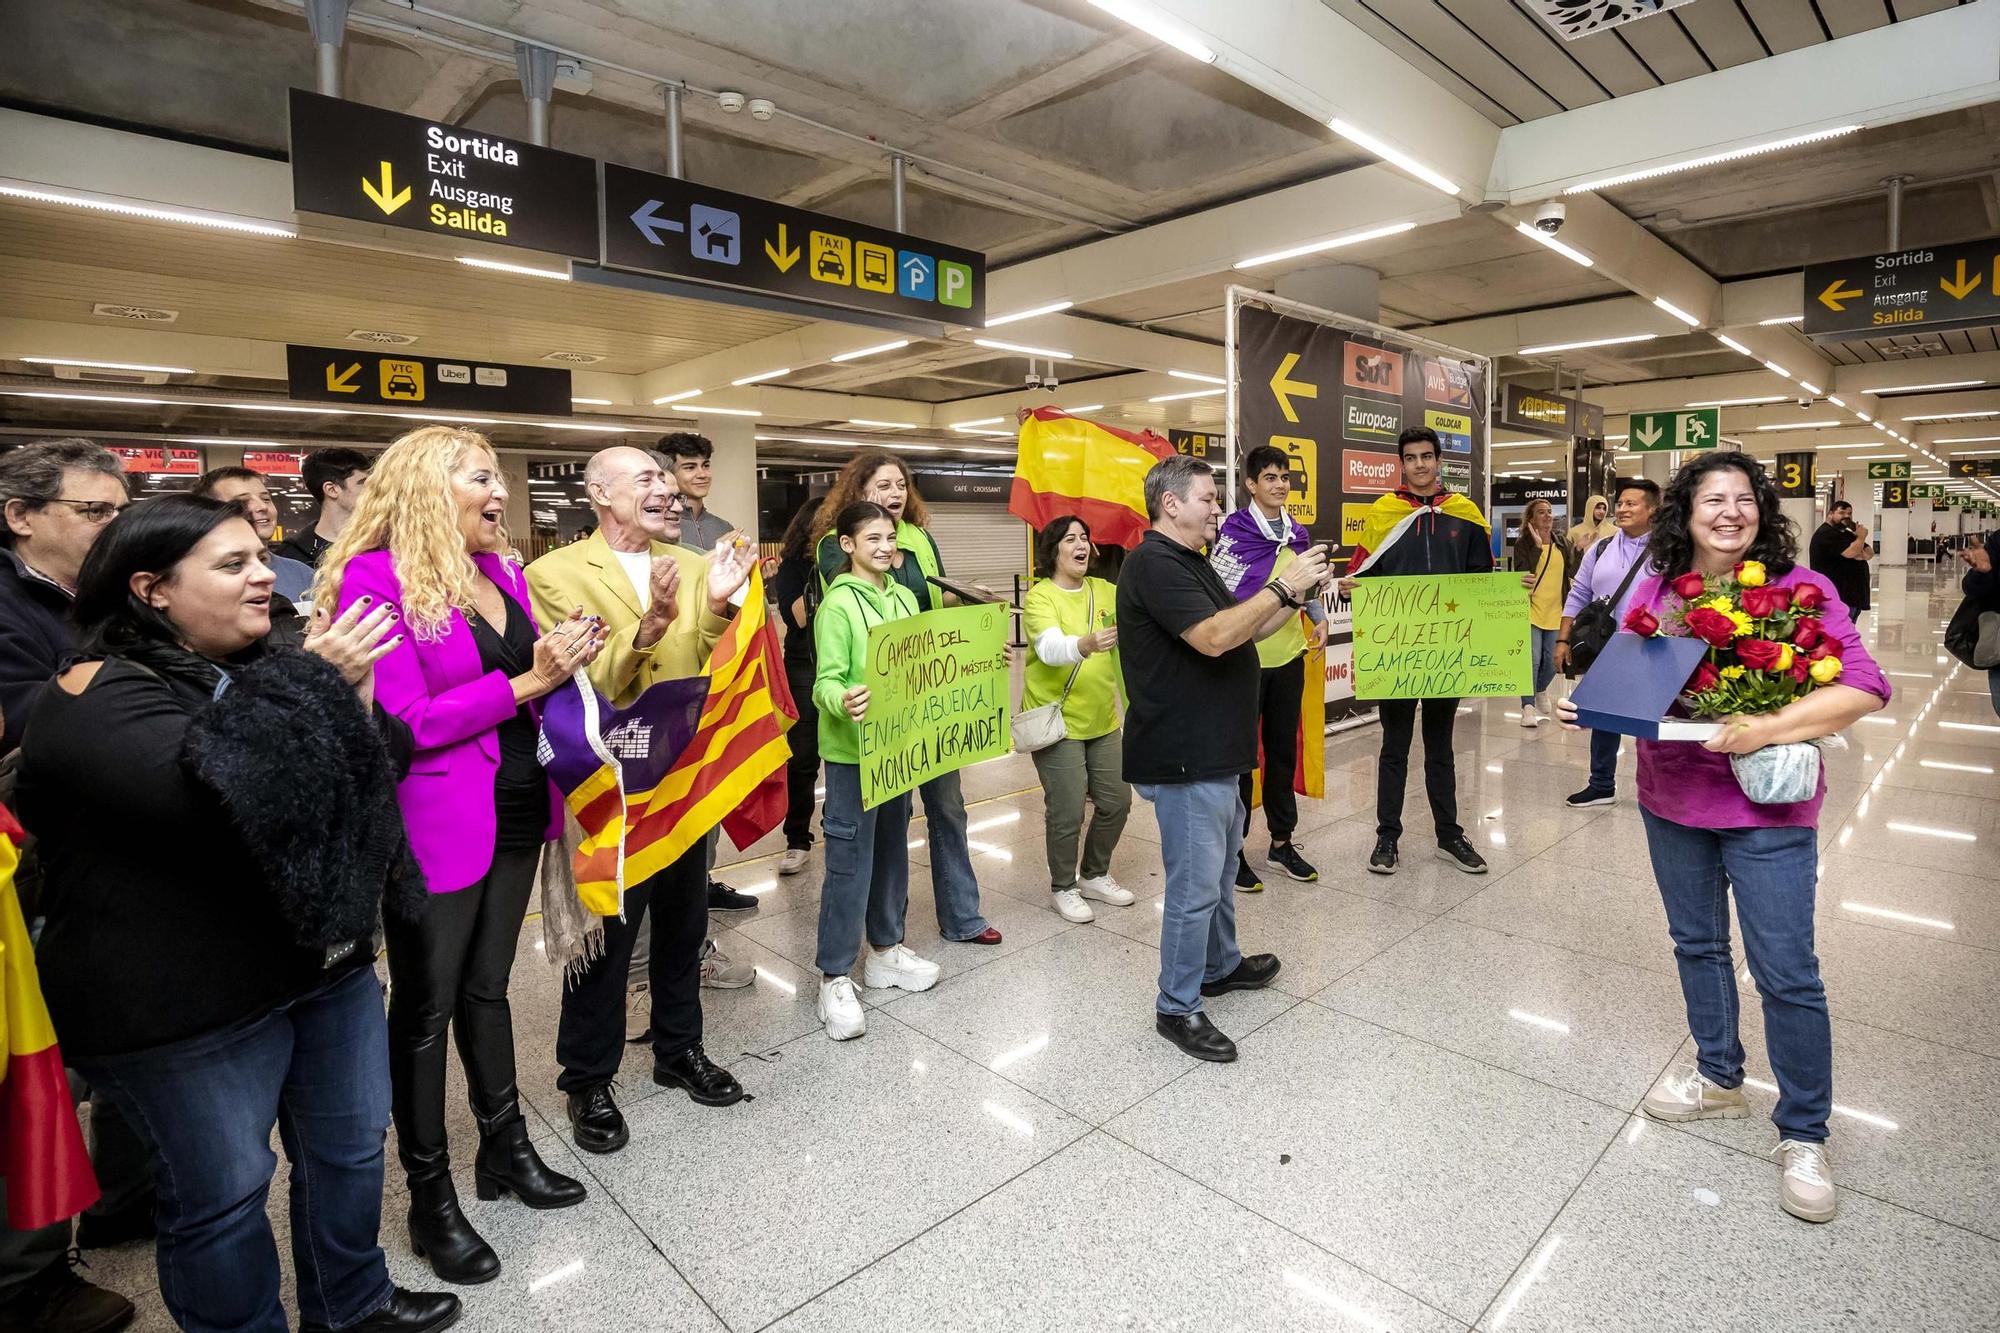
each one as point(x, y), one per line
point(1708, 839)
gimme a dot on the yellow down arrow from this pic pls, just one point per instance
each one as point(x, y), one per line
point(344, 381)
point(1964, 286)
point(1285, 389)
point(1834, 294)
point(783, 256)
point(387, 197)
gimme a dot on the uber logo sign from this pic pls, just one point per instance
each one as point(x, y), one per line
point(1370, 419)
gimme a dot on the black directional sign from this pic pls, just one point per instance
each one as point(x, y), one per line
point(361, 162)
point(1796, 476)
point(657, 224)
point(391, 379)
point(1908, 291)
point(1974, 467)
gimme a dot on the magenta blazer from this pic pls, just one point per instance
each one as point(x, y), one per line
point(453, 710)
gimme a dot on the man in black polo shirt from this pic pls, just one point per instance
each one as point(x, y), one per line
point(1191, 679)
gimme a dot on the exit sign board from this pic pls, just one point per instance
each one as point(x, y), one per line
point(1695, 428)
point(1909, 291)
point(1889, 471)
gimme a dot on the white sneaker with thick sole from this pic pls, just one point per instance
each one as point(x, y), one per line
point(1807, 1191)
point(720, 972)
point(1106, 890)
point(840, 1009)
point(794, 860)
point(1070, 906)
point(1529, 717)
point(898, 967)
point(1684, 1094)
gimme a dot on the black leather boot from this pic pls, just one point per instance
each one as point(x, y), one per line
point(508, 1164)
point(440, 1233)
point(406, 1312)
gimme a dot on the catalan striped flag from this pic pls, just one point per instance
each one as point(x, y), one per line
point(647, 782)
point(1098, 473)
point(42, 1156)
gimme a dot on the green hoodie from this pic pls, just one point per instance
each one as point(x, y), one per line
point(852, 606)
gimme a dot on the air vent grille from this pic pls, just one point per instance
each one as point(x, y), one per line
point(573, 358)
point(145, 314)
point(381, 337)
point(1580, 18)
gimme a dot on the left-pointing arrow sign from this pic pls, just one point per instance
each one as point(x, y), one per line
point(344, 381)
point(650, 224)
point(386, 196)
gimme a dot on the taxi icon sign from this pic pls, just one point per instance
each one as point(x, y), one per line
point(403, 380)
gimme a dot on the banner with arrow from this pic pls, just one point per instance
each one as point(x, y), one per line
point(394, 379)
point(1874, 296)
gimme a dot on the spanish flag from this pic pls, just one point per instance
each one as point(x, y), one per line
point(41, 1147)
point(647, 782)
point(1309, 769)
point(1098, 473)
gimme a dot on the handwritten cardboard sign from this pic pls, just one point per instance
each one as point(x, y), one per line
point(1441, 636)
point(938, 698)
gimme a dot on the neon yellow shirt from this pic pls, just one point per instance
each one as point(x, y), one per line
point(1092, 707)
point(1545, 599)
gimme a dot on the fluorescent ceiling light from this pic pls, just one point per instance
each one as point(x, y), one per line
point(1810, 387)
point(725, 411)
point(189, 217)
point(1735, 346)
point(1836, 400)
point(1803, 425)
point(1865, 417)
point(1085, 407)
point(1739, 402)
point(1176, 397)
point(1154, 24)
point(978, 421)
point(1540, 237)
point(525, 270)
point(999, 346)
point(1521, 444)
point(1361, 138)
point(1588, 342)
point(1968, 439)
point(760, 377)
point(224, 441)
point(107, 365)
point(1922, 388)
point(1953, 416)
point(680, 397)
point(974, 449)
point(1775, 145)
point(1331, 243)
point(1783, 319)
point(1052, 308)
point(1198, 379)
point(592, 402)
point(92, 397)
point(1774, 366)
point(856, 355)
point(882, 425)
point(1839, 448)
point(1528, 462)
point(1678, 313)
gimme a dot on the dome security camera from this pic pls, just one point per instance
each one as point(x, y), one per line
point(1549, 218)
point(762, 108)
point(729, 100)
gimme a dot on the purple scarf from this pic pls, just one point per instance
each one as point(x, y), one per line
point(1245, 552)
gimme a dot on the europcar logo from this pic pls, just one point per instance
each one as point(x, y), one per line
point(1370, 419)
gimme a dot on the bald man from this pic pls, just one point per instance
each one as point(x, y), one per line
point(664, 607)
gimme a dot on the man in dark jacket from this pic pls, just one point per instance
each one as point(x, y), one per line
point(1840, 550)
point(336, 478)
point(1420, 528)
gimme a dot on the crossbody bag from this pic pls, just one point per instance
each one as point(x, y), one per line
point(1039, 728)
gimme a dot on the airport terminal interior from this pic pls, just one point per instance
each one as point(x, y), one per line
point(1581, 243)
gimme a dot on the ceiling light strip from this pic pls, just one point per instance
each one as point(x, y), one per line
point(1330, 243)
point(1588, 342)
point(1711, 159)
point(1394, 157)
point(1540, 237)
point(876, 350)
point(152, 212)
point(1052, 308)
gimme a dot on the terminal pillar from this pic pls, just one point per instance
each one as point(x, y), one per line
point(733, 494)
point(1345, 289)
point(328, 21)
point(537, 66)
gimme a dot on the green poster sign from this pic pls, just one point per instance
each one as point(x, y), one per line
point(938, 698)
point(1695, 428)
point(1889, 471)
point(1441, 636)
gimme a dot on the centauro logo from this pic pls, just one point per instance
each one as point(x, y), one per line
point(1370, 419)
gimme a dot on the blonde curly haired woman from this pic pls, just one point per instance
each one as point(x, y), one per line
point(428, 540)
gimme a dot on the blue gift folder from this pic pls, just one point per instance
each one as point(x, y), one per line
point(1633, 683)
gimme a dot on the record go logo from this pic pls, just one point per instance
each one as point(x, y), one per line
point(1371, 419)
point(1363, 472)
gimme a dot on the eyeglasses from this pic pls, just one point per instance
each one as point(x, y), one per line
point(90, 511)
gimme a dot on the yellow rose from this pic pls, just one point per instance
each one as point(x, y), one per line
point(1784, 662)
point(1825, 671)
point(1750, 574)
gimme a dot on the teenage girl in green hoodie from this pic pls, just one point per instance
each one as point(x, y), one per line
point(867, 881)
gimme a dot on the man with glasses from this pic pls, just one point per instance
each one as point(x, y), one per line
point(57, 496)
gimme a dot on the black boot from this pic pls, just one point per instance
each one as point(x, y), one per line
point(440, 1233)
point(508, 1164)
point(406, 1312)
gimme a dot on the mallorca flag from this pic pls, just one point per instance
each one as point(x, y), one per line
point(1071, 466)
point(649, 781)
point(41, 1147)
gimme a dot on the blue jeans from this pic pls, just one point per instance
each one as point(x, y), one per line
point(952, 880)
point(1201, 835)
point(1542, 656)
point(1604, 760)
point(1774, 873)
point(867, 880)
point(317, 1066)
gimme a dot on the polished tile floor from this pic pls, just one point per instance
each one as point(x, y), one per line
point(1432, 1125)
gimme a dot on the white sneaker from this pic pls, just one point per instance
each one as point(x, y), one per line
point(794, 860)
point(897, 966)
point(1529, 717)
point(720, 972)
point(840, 1009)
point(1685, 1094)
point(1105, 890)
point(1807, 1191)
point(1070, 906)
point(638, 1012)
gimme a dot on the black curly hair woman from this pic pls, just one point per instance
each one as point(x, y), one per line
point(1672, 549)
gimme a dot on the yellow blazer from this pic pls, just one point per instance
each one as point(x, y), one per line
point(588, 574)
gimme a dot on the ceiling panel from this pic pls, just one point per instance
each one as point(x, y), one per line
point(1847, 17)
point(1451, 42)
point(1387, 33)
point(1528, 45)
point(1609, 60)
point(1723, 33)
point(1786, 25)
point(1666, 47)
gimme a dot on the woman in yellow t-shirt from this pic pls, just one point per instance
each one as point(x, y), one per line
point(1069, 622)
point(1547, 565)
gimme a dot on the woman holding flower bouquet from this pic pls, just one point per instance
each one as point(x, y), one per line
point(1784, 666)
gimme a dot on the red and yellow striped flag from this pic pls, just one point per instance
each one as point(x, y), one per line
point(1098, 473)
point(41, 1147)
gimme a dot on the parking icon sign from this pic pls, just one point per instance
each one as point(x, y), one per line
point(916, 275)
point(715, 234)
point(954, 284)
